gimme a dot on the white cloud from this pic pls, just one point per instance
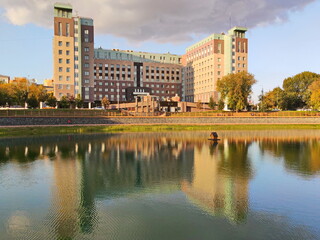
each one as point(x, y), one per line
point(161, 21)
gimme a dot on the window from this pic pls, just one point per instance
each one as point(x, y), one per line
point(59, 28)
point(219, 59)
point(219, 47)
point(68, 69)
point(60, 86)
point(60, 43)
point(68, 44)
point(67, 52)
point(219, 73)
point(86, 49)
point(60, 78)
point(68, 61)
point(68, 86)
point(86, 65)
point(60, 69)
point(86, 31)
point(86, 81)
point(86, 73)
point(60, 60)
point(60, 52)
point(67, 29)
point(86, 57)
point(68, 78)
point(86, 39)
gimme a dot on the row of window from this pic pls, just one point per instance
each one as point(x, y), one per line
point(129, 85)
point(114, 97)
point(67, 78)
point(60, 43)
point(67, 86)
point(67, 29)
point(60, 52)
point(67, 60)
point(61, 69)
point(106, 67)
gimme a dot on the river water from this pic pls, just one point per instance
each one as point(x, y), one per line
point(177, 185)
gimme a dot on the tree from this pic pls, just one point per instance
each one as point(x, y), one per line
point(314, 88)
point(36, 94)
point(20, 91)
point(6, 98)
point(296, 90)
point(72, 101)
point(199, 104)
point(236, 87)
point(105, 102)
point(78, 101)
point(273, 99)
point(51, 100)
point(64, 102)
point(38, 91)
point(212, 104)
point(32, 102)
point(220, 104)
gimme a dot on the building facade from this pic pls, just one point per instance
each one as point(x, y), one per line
point(125, 74)
point(121, 75)
point(73, 50)
point(212, 58)
point(4, 79)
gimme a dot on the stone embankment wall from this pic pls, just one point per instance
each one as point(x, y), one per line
point(21, 121)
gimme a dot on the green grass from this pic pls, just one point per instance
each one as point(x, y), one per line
point(38, 130)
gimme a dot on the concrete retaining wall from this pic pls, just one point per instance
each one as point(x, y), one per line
point(20, 121)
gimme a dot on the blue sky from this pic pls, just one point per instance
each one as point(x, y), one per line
point(276, 50)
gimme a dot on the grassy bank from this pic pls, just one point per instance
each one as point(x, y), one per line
point(53, 130)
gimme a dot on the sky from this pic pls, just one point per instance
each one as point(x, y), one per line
point(283, 34)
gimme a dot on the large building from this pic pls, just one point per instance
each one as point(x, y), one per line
point(80, 69)
point(115, 74)
point(73, 52)
point(212, 58)
point(126, 74)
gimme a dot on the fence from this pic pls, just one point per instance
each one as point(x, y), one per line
point(70, 113)
point(102, 113)
point(248, 114)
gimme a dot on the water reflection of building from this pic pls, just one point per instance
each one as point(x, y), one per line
point(65, 192)
point(221, 178)
point(99, 167)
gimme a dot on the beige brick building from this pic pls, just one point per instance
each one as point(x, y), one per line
point(210, 59)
